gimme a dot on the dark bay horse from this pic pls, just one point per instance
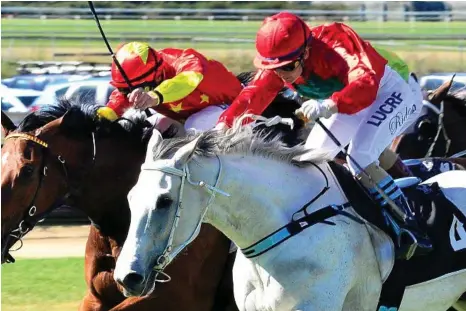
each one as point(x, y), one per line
point(439, 132)
point(64, 154)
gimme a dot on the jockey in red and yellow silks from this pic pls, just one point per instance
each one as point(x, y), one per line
point(176, 83)
point(363, 96)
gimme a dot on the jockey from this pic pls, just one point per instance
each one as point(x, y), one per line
point(178, 84)
point(366, 97)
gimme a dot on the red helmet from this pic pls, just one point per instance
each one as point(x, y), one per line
point(139, 62)
point(280, 40)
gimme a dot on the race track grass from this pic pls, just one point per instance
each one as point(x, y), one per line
point(239, 28)
point(43, 284)
point(448, 55)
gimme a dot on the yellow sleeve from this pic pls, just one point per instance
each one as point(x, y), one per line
point(179, 86)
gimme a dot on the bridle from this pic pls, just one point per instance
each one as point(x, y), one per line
point(30, 218)
point(167, 167)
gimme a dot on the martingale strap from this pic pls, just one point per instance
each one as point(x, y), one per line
point(296, 226)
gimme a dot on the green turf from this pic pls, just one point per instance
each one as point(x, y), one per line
point(212, 27)
point(119, 30)
point(124, 30)
point(42, 283)
point(442, 54)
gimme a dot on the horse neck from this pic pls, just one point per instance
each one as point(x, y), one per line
point(455, 126)
point(104, 192)
point(264, 195)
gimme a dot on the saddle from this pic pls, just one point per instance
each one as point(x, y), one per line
point(424, 199)
point(437, 215)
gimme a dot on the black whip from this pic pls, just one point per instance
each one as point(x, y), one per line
point(117, 63)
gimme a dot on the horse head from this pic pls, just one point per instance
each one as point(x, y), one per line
point(38, 162)
point(64, 154)
point(438, 130)
point(7, 125)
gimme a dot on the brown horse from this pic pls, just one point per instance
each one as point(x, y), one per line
point(440, 131)
point(64, 154)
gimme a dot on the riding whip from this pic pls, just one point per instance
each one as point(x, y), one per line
point(395, 208)
point(117, 63)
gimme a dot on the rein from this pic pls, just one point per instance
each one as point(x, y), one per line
point(298, 224)
point(30, 218)
point(169, 254)
point(295, 226)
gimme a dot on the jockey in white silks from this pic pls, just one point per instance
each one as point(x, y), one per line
point(366, 98)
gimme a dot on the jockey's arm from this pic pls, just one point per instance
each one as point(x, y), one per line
point(190, 69)
point(354, 70)
point(117, 104)
point(178, 87)
point(170, 90)
point(254, 98)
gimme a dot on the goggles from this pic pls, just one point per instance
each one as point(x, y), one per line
point(290, 67)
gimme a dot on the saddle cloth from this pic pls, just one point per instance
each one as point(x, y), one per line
point(440, 218)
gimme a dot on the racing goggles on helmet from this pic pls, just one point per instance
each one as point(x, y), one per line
point(291, 66)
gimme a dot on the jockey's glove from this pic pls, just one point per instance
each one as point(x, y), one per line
point(312, 109)
point(142, 100)
point(106, 113)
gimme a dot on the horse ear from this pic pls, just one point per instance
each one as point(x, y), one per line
point(155, 139)
point(185, 153)
point(74, 122)
point(439, 94)
point(7, 125)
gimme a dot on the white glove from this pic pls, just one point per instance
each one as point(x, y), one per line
point(313, 109)
point(221, 127)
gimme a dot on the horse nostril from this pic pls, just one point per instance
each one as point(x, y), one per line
point(133, 280)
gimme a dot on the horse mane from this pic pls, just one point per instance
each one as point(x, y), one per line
point(246, 77)
point(458, 95)
point(457, 99)
point(86, 120)
point(240, 139)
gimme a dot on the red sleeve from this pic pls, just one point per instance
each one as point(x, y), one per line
point(255, 97)
point(357, 65)
point(190, 60)
point(118, 102)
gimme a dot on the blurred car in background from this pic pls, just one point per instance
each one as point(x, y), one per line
point(433, 81)
point(50, 95)
point(26, 96)
point(11, 103)
point(38, 82)
point(93, 90)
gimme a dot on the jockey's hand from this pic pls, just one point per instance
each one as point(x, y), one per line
point(142, 100)
point(312, 109)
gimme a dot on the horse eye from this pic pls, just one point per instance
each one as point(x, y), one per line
point(164, 202)
point(27, 170)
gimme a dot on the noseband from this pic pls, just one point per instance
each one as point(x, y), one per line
point(169, 254)
point(30, 218)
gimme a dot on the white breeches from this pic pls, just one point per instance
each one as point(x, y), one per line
point(369, 131)
point(204, 119)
